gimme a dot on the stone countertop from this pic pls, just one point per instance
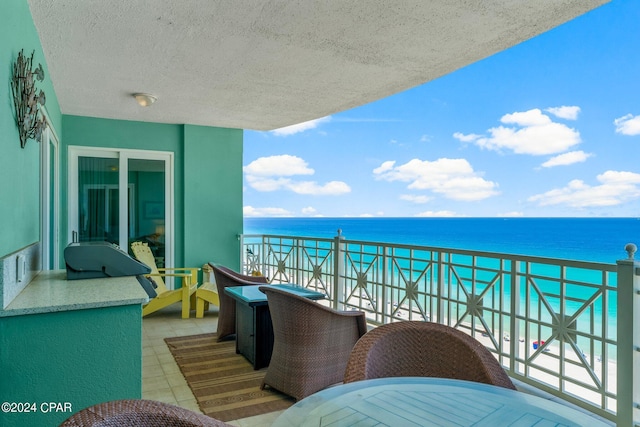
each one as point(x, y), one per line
point(50, 291)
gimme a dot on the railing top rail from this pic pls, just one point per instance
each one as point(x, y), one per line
point(470, 252)
point(282, 236)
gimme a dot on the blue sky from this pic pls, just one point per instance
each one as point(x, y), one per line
point(548, 128)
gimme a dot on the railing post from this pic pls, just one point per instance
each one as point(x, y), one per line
point(514, 325)
point(628, 352)
point(443, 273)
point(240, 237)
point(387, 272)
point(263, 257)
point(299, 264)
point(338, 272)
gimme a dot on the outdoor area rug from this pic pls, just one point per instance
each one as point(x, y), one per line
point(224, 383)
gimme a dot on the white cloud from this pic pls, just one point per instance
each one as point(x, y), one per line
point(418, 199)
point(565, 112)
point(619, 177)
point(567, 159)
point(628, 125)
point(452, 178)
point(283, 165)
point(529, 132)
point(615, 188)
point(309, 210)
point(526, 118)
point(300, 127)
point(437, 214)
point(274, 173)
point(251, 211)
point(466, 138)
point(384, 167)
point(265, 184)
point(331, 188)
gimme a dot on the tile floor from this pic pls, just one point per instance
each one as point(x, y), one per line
point(161, 377)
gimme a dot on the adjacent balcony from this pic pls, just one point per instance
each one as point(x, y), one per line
point(565, 327)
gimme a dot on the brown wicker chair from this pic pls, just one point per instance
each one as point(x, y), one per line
point(311, 343)
point(423, 349)
point(139, 413)
point(226, 277)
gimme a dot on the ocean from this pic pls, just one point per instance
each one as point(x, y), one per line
point(582, 239)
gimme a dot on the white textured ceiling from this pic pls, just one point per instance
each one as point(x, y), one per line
point(268, 64)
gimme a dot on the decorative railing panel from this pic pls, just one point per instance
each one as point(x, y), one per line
point(552, 323)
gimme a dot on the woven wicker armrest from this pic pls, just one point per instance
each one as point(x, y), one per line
point(139, 413)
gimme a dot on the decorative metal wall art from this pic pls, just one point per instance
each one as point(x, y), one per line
point(26, 101)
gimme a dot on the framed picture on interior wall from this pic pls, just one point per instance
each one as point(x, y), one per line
point(153, 210)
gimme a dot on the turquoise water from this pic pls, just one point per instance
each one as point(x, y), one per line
point(583, 239)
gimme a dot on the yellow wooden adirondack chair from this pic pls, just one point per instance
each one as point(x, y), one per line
point(167, 296)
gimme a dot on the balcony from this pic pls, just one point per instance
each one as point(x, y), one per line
point(563, 327)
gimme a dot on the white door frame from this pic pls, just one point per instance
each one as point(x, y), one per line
point(49, 196)
point(123, 155)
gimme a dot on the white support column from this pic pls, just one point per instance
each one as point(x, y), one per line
point(628, 377)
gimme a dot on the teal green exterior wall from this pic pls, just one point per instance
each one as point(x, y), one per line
point(207, 180)
point(213, 195)
point(19, 168)
point(72, 356)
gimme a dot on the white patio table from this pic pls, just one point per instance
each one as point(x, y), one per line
point(421, 401)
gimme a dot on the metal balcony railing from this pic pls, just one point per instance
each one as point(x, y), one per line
point(569, 328)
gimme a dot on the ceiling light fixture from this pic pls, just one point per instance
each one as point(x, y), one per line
point(144, 99)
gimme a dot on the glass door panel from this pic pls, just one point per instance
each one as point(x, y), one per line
point(98, 200)
point(147, 217)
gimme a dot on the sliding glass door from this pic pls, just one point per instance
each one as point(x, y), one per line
point(121, 196)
